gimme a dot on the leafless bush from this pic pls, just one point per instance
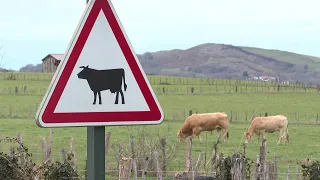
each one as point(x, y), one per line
point(18, 165)
point(145, 144)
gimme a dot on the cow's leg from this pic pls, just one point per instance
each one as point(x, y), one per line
point(117, 97)
point(284, 136)
point(95, 97)
point(280, 136)
point(122, 96)
point(287, 136)
point(225, 135)
point(99, 94)
point(219, 132)
point(195, 132)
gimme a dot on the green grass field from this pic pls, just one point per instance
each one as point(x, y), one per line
point(301, 108)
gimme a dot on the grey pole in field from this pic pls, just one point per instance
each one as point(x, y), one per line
point(95, 151)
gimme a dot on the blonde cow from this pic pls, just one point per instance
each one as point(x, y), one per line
point(269, 124)
point(197, 123)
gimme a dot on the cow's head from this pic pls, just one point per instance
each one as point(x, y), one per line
point(181, 136)
point(84, 74)
point(247, 136)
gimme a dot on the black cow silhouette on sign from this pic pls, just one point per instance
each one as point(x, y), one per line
point(100, 80)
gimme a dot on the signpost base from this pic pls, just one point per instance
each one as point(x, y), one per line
point(95, 153)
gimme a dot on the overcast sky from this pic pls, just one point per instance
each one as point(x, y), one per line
point(29, 30)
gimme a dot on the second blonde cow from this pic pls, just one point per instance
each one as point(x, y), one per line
point(270, 124)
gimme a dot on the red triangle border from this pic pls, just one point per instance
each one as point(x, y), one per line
point(49, 116)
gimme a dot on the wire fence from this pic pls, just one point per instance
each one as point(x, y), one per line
point(163, 80)
point(179, 90)
point(147, 163)
point(13, 111)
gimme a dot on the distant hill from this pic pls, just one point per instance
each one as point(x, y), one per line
point(226, 62)
point(230, 62)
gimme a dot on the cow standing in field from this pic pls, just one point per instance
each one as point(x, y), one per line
point(270, 124)
point(197, 123)
point(100, 80)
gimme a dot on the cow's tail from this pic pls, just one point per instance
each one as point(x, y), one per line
point(124, 81)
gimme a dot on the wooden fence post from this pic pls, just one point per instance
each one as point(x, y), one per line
point(295, 117)
point(288, 173)
point(260, 170)
point(125, 166)
point(238, 168)
point(257, 170)
point(263, 153)
point(298, 173)
point(164, 155)
point(188, 155)
point(133, 156)
point(198, 164)
point(44, 149)
point(120, 153)
point(21, 154)
point(275, 161)
point(63, 155)
point(236, 116)
point(107, 142)
point(252, 116)
point(159, 171)
point(72, 150)
point(214, 157)
point(144, 171)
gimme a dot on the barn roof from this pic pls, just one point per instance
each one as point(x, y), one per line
point(58, 57)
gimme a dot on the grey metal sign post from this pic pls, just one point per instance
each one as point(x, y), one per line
point(95, 151)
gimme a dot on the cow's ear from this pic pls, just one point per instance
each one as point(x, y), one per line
point(81, 67)
point(87, 66)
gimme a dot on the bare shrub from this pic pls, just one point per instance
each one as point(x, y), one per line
point(18, 165)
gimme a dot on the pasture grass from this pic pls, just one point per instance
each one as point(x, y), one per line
point(299, 107)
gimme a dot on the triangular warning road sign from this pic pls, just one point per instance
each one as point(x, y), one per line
point(100, 80)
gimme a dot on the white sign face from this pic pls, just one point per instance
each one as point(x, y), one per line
point(108, 55)
point(100, 80)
